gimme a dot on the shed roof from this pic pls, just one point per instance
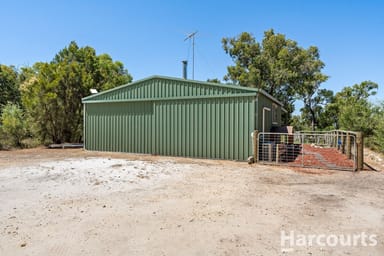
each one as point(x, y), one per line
point(158, 88)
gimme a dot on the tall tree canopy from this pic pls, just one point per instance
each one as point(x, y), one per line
point(9, 86)
point(277, 65)
point(355, 112)
point(52, 92)
point(314, 110)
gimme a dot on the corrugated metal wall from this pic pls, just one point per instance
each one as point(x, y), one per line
point(265, 102)
point(205, 128)
point(120, 127)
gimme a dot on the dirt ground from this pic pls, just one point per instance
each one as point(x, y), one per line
point(74, 202)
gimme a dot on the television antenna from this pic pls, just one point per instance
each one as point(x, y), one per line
point(192, 37)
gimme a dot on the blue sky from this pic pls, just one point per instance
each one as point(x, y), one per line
point(148, 36)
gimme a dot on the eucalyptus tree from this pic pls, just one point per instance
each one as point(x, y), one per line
point(277, 65)
point(52, 92)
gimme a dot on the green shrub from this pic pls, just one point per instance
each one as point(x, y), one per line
point(378, 136)
point(14, 127)
point(376, 140)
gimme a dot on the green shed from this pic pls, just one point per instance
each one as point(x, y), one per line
point(178, 117)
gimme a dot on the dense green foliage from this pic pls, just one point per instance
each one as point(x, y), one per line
point(9, 89)
point(355, 112)
point(51, 92)
point(14, 126)
point(51, 95)
point(376, 141)
point(317, 111)
point(277, 65)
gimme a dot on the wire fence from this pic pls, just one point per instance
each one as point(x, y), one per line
point(327, 150)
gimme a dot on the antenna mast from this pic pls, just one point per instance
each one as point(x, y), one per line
point(192, 36)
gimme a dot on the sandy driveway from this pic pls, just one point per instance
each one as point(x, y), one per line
point(71, 202)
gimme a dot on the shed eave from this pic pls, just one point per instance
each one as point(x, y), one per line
point(174, 98)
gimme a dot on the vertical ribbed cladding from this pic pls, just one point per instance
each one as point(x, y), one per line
point(217, 128)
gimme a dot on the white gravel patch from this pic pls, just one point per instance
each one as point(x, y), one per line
point(88, 176)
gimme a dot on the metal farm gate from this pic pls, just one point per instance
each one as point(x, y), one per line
point(336, 150)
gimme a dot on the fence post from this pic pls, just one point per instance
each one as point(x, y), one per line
point(337, 140)
point(277, 153)
point(255, 142)
point(343, 143)
point(360, 150)
point(348, 152)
